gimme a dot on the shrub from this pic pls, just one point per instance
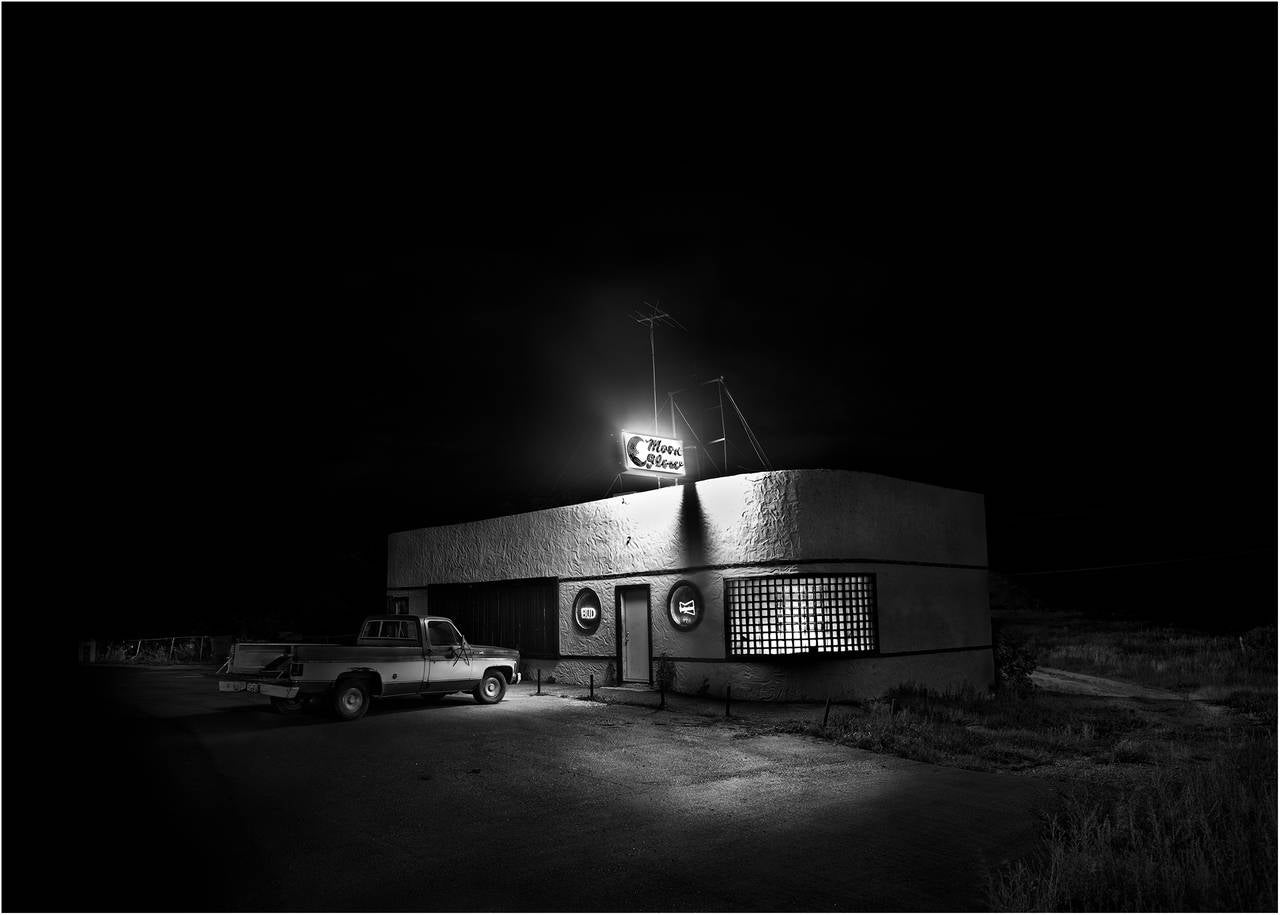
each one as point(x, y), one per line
point(1015, 662)
point(665, 673)
point(1195, 840)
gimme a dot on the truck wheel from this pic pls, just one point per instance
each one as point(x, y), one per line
point(288, 706)
point(491, 689)
point(351, 700)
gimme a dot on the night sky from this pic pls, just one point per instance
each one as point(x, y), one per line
point(1050, 279)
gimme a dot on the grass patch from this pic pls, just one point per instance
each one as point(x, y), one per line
point(1170, 658)
point(1192, 839)
point(1173, 804)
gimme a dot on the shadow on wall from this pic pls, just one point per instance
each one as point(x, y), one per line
point(692, 526)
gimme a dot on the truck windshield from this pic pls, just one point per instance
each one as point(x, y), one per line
point(442, 633)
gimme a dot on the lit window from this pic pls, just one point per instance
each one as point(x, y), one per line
point(801, 614)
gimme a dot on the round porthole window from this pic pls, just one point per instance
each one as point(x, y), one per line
point(684, 606)
point(586, 610)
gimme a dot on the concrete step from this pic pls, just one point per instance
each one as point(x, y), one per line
point(631, 694)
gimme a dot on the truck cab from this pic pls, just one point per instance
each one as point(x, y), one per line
point(393, 656)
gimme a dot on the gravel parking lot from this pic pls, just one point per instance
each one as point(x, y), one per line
point(191, 799)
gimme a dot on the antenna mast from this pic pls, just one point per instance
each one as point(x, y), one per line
point(656, 316)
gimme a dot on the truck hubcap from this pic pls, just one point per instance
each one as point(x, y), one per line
point(490, 688)
point(351, 700)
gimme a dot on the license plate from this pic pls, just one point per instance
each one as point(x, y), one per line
point(230, 686)
point(253, 687)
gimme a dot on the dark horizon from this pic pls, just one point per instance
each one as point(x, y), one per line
point(1062, 295)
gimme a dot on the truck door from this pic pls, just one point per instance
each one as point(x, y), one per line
point(448, 663)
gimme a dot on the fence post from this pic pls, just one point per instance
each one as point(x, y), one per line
point(138, 651)
point(539, 681)
point(826, 711)
point(728, 692)
point(591, 694)
point(171, 640)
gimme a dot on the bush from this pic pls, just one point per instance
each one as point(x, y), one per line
point(1198, 840)
point(1015, 662)
point(665, 673)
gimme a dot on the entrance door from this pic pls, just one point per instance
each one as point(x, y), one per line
point(633, 620)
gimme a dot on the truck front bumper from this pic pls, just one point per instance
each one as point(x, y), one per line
point(272, 688)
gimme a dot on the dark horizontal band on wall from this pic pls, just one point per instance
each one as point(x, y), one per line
point(613, 576)
point(787, 659)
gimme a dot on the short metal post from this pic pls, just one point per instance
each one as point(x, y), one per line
point(591, 687)
point(138, 650)
point(662, 696)
point(539, 681)
point(826, 712)
point(171, 649)
point(728, 692)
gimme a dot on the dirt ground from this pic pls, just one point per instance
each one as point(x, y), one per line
point(211, 802)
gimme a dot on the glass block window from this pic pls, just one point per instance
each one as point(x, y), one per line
point(801, 614)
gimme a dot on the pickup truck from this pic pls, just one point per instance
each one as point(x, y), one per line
point(393, 656)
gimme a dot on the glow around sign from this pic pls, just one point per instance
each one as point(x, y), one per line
point(652, 454)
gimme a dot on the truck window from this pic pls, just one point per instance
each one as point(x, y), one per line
point(406, 630)
point(442, 633)
point(400, 629)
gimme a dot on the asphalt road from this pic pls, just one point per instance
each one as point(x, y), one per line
point(170, 796)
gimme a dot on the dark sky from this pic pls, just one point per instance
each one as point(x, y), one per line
point(1049, 276)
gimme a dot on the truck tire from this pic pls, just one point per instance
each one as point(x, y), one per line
point(351, 699)
point(288, 706)
point(491, 689)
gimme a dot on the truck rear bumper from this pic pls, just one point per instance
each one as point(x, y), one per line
point(265, 687)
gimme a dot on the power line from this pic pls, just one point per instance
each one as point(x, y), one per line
point(1135, 565)
point(689, 426)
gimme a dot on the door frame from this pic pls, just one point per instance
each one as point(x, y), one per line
point(648, 622)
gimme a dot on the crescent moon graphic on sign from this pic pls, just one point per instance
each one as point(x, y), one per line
point(631, 450)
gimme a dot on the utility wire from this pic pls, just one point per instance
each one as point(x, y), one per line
point(751, 436)
point(689, 426)
point(1131, 565)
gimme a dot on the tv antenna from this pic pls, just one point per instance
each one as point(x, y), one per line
point(656, 316)
point(722, 391)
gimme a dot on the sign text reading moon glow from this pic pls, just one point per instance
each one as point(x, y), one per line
point(652, 453)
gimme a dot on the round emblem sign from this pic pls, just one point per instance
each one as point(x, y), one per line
point(684, 606)
point(586, 610)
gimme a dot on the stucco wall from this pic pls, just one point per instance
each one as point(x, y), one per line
point(846, 515)
point(745, 518)
point(859, 678)
point(794, 680)
point(780, 515)
point(926, 545)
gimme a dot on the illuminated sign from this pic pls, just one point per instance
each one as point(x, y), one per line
point(684, 606)
point(586, 610)
point(643, 453)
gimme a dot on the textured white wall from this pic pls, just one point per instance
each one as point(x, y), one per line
point(758, 517)
point(760, 524)
point(847, 515)
point(745, 518)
